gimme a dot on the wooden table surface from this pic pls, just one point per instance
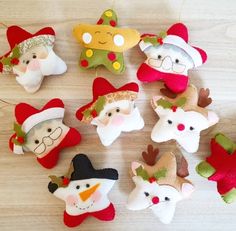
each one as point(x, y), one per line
point(25, 203)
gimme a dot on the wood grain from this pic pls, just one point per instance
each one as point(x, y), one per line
point(25, 203)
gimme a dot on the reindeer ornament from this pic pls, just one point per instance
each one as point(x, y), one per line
point(182, 117)
point(159, 185)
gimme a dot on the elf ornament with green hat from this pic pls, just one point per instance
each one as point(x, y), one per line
point(31, 57)
point(112, 110)
point(105, 43)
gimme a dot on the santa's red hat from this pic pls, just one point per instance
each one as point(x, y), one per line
point(27, 117)
point(104, 93)
point(21, 41)
point(177, 35)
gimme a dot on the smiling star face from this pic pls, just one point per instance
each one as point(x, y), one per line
point(44, 137)
point(87, 195)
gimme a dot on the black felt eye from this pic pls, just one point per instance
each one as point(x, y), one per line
point(191, 128)
point(159, 56)
point(87, 185)
point(27, 62)
point(169, 121)
point(77, 187)
point(36, 141)
point(176, 61)
point(117, 109)
point(167, 199)
point(49, 129)
point(146, 194)
point(109, 114)
point(34, 56)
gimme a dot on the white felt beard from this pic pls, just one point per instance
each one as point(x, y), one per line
point(31, 80)
point(109, 133)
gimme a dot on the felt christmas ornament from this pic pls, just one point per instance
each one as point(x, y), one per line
point(169, 57)
point(183, 118)
point(85, 191)
point(105, 43)
point(42, 132)
point(220, 167)
point(112, 110)
point(31, 57)
point(158, 185)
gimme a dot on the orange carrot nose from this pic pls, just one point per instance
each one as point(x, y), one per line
point(87, 193)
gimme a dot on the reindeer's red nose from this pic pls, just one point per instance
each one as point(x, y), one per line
point(155, 200)
point(180, 127)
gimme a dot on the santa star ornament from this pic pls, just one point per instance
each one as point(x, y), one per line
point(31, 57)
point(220, 167)
point(42, 132)
point(105, 43)
point(169, 57)
point(112, 110)
point(183, 117)
point(158, 184)
point(85, 191)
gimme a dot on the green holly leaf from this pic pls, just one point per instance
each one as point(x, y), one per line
point(86, 113)
point(142, 172)
point(100, 104)
point(6, 61)
point(16, 52)
point(160, 174)
point(181, 102)
point(164, 103)
point(163, 34)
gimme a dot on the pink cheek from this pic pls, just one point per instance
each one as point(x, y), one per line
point(71, 200)
point(96, 196)
point(34, 65)
point(117, 120)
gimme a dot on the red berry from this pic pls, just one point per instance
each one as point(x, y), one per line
point(21, 140)
point(94, 113)
point(174, 108)
point(152, 179)
point(15, 61)
point(66, 181)
point(111, 56)
point(84, 63)
point(100, 21)
point(1, 67)
point(160, 41)
point(113, 23)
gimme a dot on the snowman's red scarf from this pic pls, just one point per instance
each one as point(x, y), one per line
point(225, 166)
point(175, 82)
point(50, 160)
point(106, 214)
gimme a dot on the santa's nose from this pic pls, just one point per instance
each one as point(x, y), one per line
point(117, 120)
point(47, 141)
point(155, 200)
point(180, 127)
point(33, 65)
point(167, 63)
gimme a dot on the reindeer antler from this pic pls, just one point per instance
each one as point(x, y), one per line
point(203, 99)
point(150, 156)
point(168, 93)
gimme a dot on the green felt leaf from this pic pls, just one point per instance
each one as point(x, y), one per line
point(160, 174)
point(163, 34)
point(86, 113)
point(6, 61)
point(204, 169)
point(140, 171)
point(225, 142)
point(19, 131)
point(164, 103)
point(100, 104)
point(230, 196)
point(181, 102)
point(16, 52)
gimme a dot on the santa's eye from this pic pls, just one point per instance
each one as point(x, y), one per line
point(159, 56)
point(169, 121)
point(146, 194)
point(167, 199)
point(117, 109)
point(27, 62)
point(34, 56)
point(77, 187)
point(36, 141)
point(87, 185)
point(49, 129)
point(109, 114)
point(176, 61)
point(191, 128)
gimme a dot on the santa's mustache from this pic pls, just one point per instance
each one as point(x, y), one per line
point(48, 141)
